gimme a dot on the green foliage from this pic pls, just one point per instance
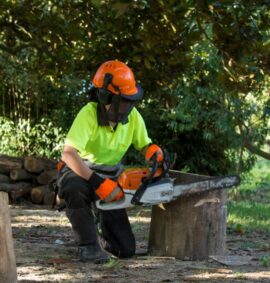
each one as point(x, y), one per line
point(204, 66)
point(248, 207)
point(24, 138)
point(249, 215)
point(265, 261)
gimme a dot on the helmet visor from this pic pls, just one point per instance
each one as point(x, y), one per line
point(120, 109)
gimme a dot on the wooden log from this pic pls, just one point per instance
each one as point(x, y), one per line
point(38, 193)
point(8, 273)
point(33, 164)
point(191, 227)
point(19, 174)
point(46, 176)
point(14, 186)
point(48, 198)
point(4, 178)
point(37, 165)
point(8, 163)
point(15, 195)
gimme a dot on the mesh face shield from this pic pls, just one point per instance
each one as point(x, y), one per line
point(119, 109)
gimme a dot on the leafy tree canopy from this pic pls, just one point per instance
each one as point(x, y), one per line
point(204, 66)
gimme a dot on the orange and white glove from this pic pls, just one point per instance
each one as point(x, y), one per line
point(106, 189)
point(152, 150)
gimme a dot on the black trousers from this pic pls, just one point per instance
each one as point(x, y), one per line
point(115, 227)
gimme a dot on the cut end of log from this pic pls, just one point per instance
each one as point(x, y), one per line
point(33, 165)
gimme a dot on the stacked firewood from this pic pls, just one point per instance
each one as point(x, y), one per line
point(29, 176)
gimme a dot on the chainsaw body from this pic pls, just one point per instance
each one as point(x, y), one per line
point(141, 186)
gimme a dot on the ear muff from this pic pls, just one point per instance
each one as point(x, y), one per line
point(103, 94)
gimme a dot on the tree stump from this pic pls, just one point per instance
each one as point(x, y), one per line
point(8, 273)
point(191, 227)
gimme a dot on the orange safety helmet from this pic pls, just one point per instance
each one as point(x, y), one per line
point(118, 78)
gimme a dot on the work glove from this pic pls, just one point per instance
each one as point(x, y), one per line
point(107, 190)
point(154, 150)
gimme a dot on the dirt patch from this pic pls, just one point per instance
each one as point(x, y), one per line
point(46, 252)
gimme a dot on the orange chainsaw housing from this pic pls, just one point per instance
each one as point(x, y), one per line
point(131, 178)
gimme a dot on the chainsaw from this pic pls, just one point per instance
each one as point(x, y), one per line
point(151, 186)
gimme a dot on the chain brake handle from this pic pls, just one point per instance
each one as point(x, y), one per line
point(148, 180)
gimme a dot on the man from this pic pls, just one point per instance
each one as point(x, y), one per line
point(95, 144)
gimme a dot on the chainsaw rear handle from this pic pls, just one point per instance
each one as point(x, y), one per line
point(154, 167)
point(145, 182)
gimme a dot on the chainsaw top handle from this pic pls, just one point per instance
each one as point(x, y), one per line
point(150, 179)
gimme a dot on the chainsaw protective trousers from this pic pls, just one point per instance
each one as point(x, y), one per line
point(78, 194)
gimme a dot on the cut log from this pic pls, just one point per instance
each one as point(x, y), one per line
point(4, 178)
point(194, 225)
point(20, 174)
point(8, 163)
point(46, 176)
point(8, 273)
point(37, 165)
point(33, 164)
point(38, 193)
point(15, 195)
point(48, 198)
point(13, 187)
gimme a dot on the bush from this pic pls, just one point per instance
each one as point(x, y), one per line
point(25, 138)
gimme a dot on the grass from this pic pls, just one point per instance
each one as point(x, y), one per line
point(248, 206)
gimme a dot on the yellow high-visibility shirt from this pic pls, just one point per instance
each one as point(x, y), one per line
point(103, 144)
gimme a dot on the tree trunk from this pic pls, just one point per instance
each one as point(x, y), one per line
point(191, 227)
point(8, 272)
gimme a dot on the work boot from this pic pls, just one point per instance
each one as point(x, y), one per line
point(85, 233)
point(93, 253)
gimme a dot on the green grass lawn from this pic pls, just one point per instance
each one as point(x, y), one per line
point(249, 205)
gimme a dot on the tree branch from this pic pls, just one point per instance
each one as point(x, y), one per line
point(252, 148)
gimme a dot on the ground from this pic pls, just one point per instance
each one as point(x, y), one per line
point(45, 252)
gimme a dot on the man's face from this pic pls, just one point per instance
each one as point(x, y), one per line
point(119, 109)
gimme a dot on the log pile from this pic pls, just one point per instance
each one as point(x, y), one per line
point(29, 176)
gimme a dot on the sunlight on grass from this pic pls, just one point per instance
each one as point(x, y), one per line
point(248, 204)
point(252, 216)
point(257, 178)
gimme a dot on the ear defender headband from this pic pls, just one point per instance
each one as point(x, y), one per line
point(103, 94)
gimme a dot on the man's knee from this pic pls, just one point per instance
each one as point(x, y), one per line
point(70, 191)
point(75, 192)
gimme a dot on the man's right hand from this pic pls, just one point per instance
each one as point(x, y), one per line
point(106, 189)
